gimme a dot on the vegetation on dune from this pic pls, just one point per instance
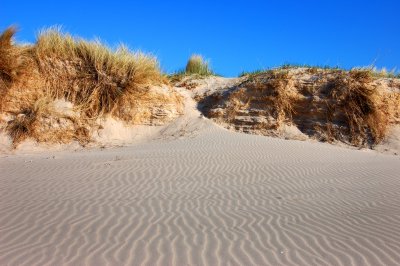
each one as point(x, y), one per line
point(8, 56)
point(312, 69)
point(104, 77)
point(253, 73)
point(98, 81)
point(287, 66)
point(14, 63)
point(362, 105)
point(196, 67)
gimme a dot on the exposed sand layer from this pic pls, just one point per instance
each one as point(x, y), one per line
point(201, 195)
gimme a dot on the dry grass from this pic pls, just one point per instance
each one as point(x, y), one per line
point(362, 105)
point(22, 126)
point(98, 78)
point(26, 122)
point(98, 81)
point(13, 62)
point(8, 55)
point(42, 122)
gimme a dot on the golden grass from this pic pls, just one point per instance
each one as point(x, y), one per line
point(97, 80)
point(101, 76)
point(21, 127)
point(8, 55)
point(13, 62)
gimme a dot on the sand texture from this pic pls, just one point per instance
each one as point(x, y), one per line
point(212, 198)
point(194, 193)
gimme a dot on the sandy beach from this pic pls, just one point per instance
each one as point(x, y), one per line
point(205, 197)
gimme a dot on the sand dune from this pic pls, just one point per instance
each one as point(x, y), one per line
point(198, 194)
point(211, 197)
point(190, 192)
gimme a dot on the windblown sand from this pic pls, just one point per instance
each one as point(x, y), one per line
point(211, 198)
point(198, 194)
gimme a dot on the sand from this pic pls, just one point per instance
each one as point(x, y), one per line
point(198, 194)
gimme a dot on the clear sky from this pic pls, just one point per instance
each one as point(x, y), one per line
point(234, 35)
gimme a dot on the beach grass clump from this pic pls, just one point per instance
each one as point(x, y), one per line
point(8, 57)
point(14, 62)
point(101, 76)
point(22, 126)
point(196, 65)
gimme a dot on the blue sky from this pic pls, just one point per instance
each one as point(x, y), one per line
point(234, 35)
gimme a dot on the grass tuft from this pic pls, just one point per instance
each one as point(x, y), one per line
point(21, 127)
point(198, 66)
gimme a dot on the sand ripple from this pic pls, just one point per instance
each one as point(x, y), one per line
point(220, 198)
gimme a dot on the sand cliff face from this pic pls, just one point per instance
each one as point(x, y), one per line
point(328, 105)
